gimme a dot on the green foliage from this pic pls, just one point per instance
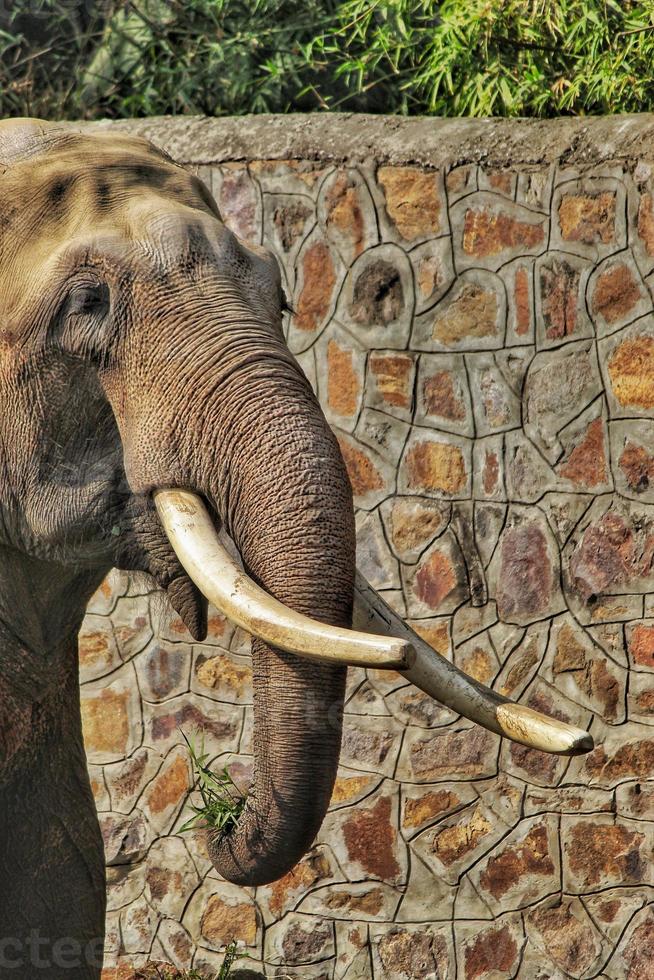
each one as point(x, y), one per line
point(222, 804)
point(232, 955)
point(456, 57)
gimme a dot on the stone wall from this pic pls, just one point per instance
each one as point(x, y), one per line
point(473, 302)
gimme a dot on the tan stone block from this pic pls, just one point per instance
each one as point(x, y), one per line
point(413, 201)
point(98, 653)
point(436, 466)
point(631, 372)
point(413, 523)
point(346, 212)
point(369, 901)
point(111, 717)
point(587, 218)
point(566, 935)
point(417, 952)
point(239, 202)
point(316, 869)
point(170, 877)
point(223, 676)
point(391, 380)
point(220, 726)
point(220, 913)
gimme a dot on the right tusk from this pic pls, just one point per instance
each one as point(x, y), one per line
point(439, 678)
point(219, 578)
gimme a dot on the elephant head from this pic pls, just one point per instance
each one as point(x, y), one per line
point(147, 400)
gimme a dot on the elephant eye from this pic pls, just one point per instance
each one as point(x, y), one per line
point(88, 297)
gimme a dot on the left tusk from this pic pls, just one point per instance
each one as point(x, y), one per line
point(195, 541)
point(439, 678)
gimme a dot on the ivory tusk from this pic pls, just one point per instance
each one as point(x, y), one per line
point(195, 541)
point(439, 678)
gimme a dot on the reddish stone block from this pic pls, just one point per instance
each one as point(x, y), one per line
point(491, 473)
point(586, 465)
point(318, 281)
point(631, 369)
point(640, 639)
point(529, 857)
point(238, 202)
point(371, 840)
point(633, 760)
point(588, 218)
point(604, 853)
point(468, 754)
point(494, 950)
point(440, 397)
point(559, 290)
point(435, 580)
point(638, 954)
point(488, 233)
point(522, 301)
point(616, 293)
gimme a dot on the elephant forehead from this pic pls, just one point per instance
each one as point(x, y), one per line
point(83, 182)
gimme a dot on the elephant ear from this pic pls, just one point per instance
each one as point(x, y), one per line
point(23, 138)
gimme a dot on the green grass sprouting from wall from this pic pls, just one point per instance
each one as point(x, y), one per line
point(61, 58)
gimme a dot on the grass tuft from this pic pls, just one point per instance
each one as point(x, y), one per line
point(222, 802)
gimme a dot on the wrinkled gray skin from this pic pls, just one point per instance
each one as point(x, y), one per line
point(140, 348)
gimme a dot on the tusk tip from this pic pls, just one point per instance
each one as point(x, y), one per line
point(538, 731)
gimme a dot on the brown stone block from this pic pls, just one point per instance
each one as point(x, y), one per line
point(369, 901)
point(313, 871)
point(439, 582)
point(488, 231)
point(239, 202)
point(560, 309)
point(318, 276)
point(369, 474)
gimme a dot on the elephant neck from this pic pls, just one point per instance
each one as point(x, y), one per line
point(42, 605)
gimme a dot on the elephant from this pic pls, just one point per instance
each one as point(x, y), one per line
point(148, 401)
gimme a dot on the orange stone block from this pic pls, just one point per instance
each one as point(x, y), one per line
point(586, 466)
point(343, 383)
point(364, 476)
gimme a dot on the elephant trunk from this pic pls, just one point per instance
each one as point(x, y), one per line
point(284, 496)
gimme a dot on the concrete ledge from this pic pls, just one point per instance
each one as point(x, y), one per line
point(423, 140)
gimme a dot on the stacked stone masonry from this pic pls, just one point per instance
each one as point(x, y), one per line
point(481, 338)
